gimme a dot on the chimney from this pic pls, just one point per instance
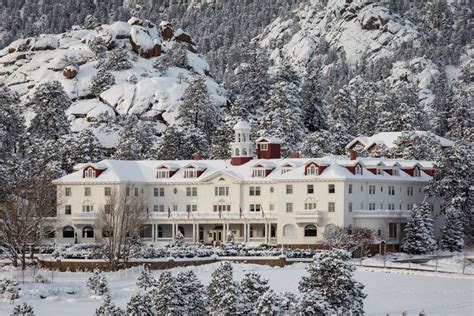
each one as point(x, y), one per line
point(196, 156)
point(352, 154)
point(294, 154)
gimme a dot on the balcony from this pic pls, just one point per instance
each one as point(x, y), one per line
point(382, 214)
point(307, 216)
point(214, 216)
point(85, 217)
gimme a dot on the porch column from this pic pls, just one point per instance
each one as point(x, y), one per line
point(173, 232)
point(194, 233)
point(153, 237)
point(245, 233)
point(267, 234)
point(224, 232)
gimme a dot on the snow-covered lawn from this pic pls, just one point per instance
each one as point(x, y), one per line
point(388, 292)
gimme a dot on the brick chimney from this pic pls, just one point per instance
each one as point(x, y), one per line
point(294, 154)
point(352, 154)
point(196, 156)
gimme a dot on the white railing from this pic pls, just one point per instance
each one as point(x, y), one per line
point(85, 215)
point(307, 213)
point(213, 215)
point(381, 213)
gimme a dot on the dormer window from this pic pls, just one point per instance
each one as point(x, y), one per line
point(416, 172)
point(285, 170)
point(312, 170)
point(358, 170)
point(258, 173)
point(190, 173)
point(380, 171)
point(264, 146)
point(89, 173)
point(396, 172)
point(160, 174)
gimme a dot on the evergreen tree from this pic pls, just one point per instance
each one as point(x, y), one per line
point(220, 148)
point(416, 146)
point(452, 238)
point(312, 98)
point(317, 144)
point(223, 292)
point(166, 296)
point(12, 124)
point(331, 275)
point(171, 146)
point(313, 303)
point(23, 310)
point(179, 239)
point(289, 303)
point(136, 140)
point(195, 142)
point(252, 287)
point(145, 280)
point(461, 124)
point(230, 238)
point(97, 46)
point(417, 236)
point(101, 81)
point(427, 215)
point(90, 22)
point(268, 303)
point(192, 293)
point(49, 102)
point(118, 60)
point(98, 283)
point(140, 305)
point(80, 148)
point(107, 308)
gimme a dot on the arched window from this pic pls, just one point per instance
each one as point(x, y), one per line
point(416, 172)
point(160, 232)
point(358, 169)
point(88, 232)
point(244, 137)
point(237, 152)
point(310, 231)
point(289, 231)
point(244, 152)
point(90, 173)
point(68, 232)
point(312, 170)
point(181, 230)
point(49, 232)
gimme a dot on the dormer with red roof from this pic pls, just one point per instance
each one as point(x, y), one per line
point(193, 170)
point(92, 171)
point(313, 168)
point(261, 170)
point(355, 168)
point(166, 170)
point(268, 148)
point(412, 170)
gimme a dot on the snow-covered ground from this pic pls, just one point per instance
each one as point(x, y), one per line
point(388, 292)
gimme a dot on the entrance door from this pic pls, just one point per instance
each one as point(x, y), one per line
point(217, 235)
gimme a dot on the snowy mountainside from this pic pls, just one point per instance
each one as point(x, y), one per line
point(140, 88)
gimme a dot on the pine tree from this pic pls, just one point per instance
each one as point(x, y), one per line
point(136, 140)
point(80, 148)
point(140, 305)
point(416, 234)
point(230, 238)
point(179, 239)
point(331, 275)
point(269, 303)
point(252, 287)
point(23, 310)
point(107, 308)
point(223, 292)
point(166, 296)
point(428, 220)
point(171, 146)
point(90, 22)
point(192, 293)
point(98, 283)
point(452, 238)
point(101, 81)
point(461, 123)
point(416, 146)
point(289, 303)
point(12, 124)
point(317, 144)
point(118, 60)
point(312, 98)
point(145, 280)
point(220, 148)
point(98, 47)
point(49, 102)
point(313, 303)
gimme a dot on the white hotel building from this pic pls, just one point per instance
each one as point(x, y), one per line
point(262, 199)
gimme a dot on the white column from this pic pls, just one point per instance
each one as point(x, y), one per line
point(245, 233)
point(173, 232)
point(153, 237)
point(224, 232)
point(194, 233)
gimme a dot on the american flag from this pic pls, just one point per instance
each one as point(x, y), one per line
point(261, 210)
point(241, 213)
point(220, 211)
point(189, 212)
point(169, 212)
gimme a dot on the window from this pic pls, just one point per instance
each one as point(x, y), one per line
point(371, 206)
point(190, 173)
point(67, 209)
point(310, 206)
point(237, 152)
point(331, 207)
point(87, 191)
point(191, 208)
point(289, 189)
point(263, 146)
point(381, 188)
point(107, 208)
point(67, 191)
point(161, 191)
point(361, 188)
point(289, 231)
point(255, 207)
point(416, 172)
point(221, 191)
point(409, 190)
point(136, 191)
point(396, 172)
point(258, 173)
point(331, 188)
point(350, 188)
point(145, 231)
point(162, 174)
point(285, 170)
point(87, 208)
point(409, 206)
point(350, 207)
point(155, 192)
point(392, 230)
point(68, 232)
point(107, 191)
point(175, 208)
point(254, 191)
point(89, 173)
point(271, 207)
point(391, 190)
point(88, 232)
point(371, 189)
point(222, 208)
point(391, 206)
point(358, 169)
point(160, 232)
point(381, 206)
point(127, 191)
point(191, 191)
point(289, 207)
point(310, 231)
point(312, 170)
point(155, 208)
point(380, 171)
point(310, 189)
point(244, 152)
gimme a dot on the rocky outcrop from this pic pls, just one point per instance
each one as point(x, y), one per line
point(167, 31)
point(144, 38)
point(182, 37)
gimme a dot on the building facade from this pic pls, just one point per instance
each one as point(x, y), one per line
point(260, 197)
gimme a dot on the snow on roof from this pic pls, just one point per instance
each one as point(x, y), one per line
point(388, 139)
point(268, 139)
point(145, 170)
point(242, 125)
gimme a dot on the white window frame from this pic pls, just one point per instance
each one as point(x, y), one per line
point(190, 173)
point(162, 174)
point(312, 170)
point(263, 146)
point(331, 207)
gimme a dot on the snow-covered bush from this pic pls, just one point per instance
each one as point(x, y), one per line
point(140, 305)
point(23, 310)
point(179, 240)
point(11, 292)
point(166, 296)
point(145, 280)
point(107, 308)
point(101, 81)
point(252, 287)
point(223, 292)
point(191, 293)
point(98, 283)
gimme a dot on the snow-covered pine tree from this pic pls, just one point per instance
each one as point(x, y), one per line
point(179, 239)
point(453, 236)
point(331, 274)
point(177, 56)
point(341, 120)
point(416, 146)
point(97, 46)
point(442, 105)
point(195, 141)
point(289, 303)
point(90, 22)
point(230, 238)
point(313, 303)
point(461, 123)
point(311, 96)
point(145, 280)
point(136, 140)
point(140, 304)
point(428, 220)
point(252, 287)
point(101, 81)
point(317, 144)
point(49, 103)
point(222, 291)
point(118, 60)
point(166, 296)
point(220, 142)
point(79, 148)
point(107, 308)
point(170, 147)
point(269, 303)
point(416, 234)
point(192, 293)
point(11, 292)
point(23, 309)
point(98, 283)
point(12, 124)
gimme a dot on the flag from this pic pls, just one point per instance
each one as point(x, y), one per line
point(261, 210)
point(241, 214)
point(189, 212)
point(169, 212)
point(220, 211)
